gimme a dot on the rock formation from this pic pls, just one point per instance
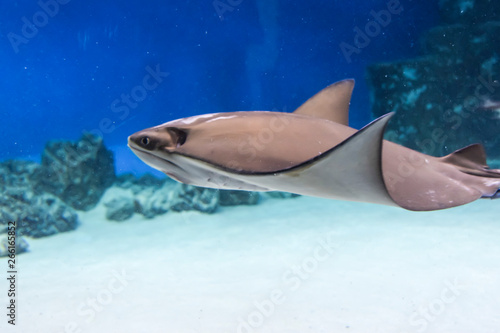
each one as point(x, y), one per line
point(445, 99)
point(21, 246)
point(36, 213)
point(78, 173)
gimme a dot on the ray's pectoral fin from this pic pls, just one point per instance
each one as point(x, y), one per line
point(351, 170)
point(331, 103)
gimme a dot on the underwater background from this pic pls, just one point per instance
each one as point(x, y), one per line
point(250, 56)
point(112, 245)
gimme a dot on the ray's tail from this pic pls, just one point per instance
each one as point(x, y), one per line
point(472, 160)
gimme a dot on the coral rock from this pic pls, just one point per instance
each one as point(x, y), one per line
point(234, 198)
point(36, 214)
point(21, 246)
point(440, 98)
point(78, 173)
point(120, 208)
point(188, 197)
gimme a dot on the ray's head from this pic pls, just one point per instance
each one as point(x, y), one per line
point(158, 139)
point(155, 145)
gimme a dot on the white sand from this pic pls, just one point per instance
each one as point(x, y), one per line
point(284, 266)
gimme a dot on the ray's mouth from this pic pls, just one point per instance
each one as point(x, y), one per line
point(134, 146)
point(148, 156)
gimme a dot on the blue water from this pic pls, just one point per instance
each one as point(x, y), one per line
point(116, 67)
point(69, 75)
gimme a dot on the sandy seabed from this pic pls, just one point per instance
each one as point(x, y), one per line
point(283, 266)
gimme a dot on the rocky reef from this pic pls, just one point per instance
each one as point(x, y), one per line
point(468, 12)
point(42, 198)
point(36, 213)
point(21, 246)
point(150, 196)
point(447, 98)
point(77, 172)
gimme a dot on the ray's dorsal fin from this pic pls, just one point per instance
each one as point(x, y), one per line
point(331, 103)
point(468, 157)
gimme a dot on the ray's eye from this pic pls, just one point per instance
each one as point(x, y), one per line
point(145, 140)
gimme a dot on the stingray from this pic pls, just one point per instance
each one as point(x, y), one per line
point(314, 152)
